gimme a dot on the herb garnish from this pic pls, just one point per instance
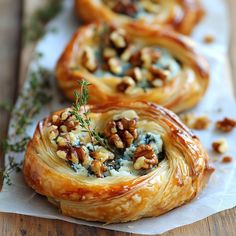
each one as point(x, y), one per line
point(81, 100)
point(32, 99)
point(35, 28)
point(12, 166)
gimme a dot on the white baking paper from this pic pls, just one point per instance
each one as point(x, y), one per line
point(220, 193)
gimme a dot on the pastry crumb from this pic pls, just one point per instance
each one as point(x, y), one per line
point(220, 146)
point(226, 125)
point(227, 159)
point(195, 122)
point(208, 39)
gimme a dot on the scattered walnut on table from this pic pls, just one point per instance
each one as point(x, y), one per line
point(220, 146)
point(226, 125)
point(121, 133)
point(195, 122)
point(144, 157)
point(208, 39)
point(227, 159)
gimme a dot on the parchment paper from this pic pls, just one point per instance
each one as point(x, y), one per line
point(220, 193)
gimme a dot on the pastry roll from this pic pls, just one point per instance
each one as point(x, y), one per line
point(133, 64)
point(178, 15)
point(145, 162)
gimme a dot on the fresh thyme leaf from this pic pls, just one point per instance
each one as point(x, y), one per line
point(6, 106)
point(12, 166)
point(34, 29)
point(32, 99)
point(81, 100)
point(15, 147)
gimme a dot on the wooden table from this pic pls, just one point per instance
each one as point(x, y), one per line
point(11, 15)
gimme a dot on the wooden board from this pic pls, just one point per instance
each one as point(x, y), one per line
point(12, 224)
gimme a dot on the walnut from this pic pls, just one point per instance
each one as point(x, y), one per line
point(226, 125)
point(135, 73)
point(195, 122)
point(144, 157)
point(144, 57)
point(136, 60)
point(81, 154)
point(127, 7)
point(220, 146)
point(118, 39)
point(102, 154)
point(121, 133)
point(115, 65)
point(65, 122)
point(149, 56)
point(126, 55)
point(74, 154)
point(108, 53)
point(160, 74)
point(98, 168)
point(126, 84)
point(208, 39)
point(227, 159)
point(88, 59)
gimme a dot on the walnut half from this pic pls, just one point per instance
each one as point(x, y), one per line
point(144, 157)
point(121, 133)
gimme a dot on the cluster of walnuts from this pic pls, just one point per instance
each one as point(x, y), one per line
point(122, 133)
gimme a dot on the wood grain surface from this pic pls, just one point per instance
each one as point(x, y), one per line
point(11, 56)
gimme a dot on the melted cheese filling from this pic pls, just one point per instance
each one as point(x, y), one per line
point(117, 163)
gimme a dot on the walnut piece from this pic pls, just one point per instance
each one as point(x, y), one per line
point(121, 133)
point(220, 146)
point(227, 159)
point(88, 59)
point(126, 7)
point(208, 39)
point(144, 157)
point(100, 155)
point(126, 84)
point(98, 168)
point(195, 122)
point(226, 125)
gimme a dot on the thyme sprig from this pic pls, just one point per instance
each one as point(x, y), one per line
point(81, 112)
point(34, 28)
point(32, 99)
point(12, 166)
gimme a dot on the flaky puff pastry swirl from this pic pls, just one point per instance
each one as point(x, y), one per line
point(88, 52)
point(178, 15)
point(176, 180)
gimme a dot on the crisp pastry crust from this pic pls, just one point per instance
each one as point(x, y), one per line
point(174, 181)
point(176, 76)
point(179, 15)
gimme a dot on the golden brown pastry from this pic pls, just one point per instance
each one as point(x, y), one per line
point(133, 64)
point(147, 163)
point(179, 15)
